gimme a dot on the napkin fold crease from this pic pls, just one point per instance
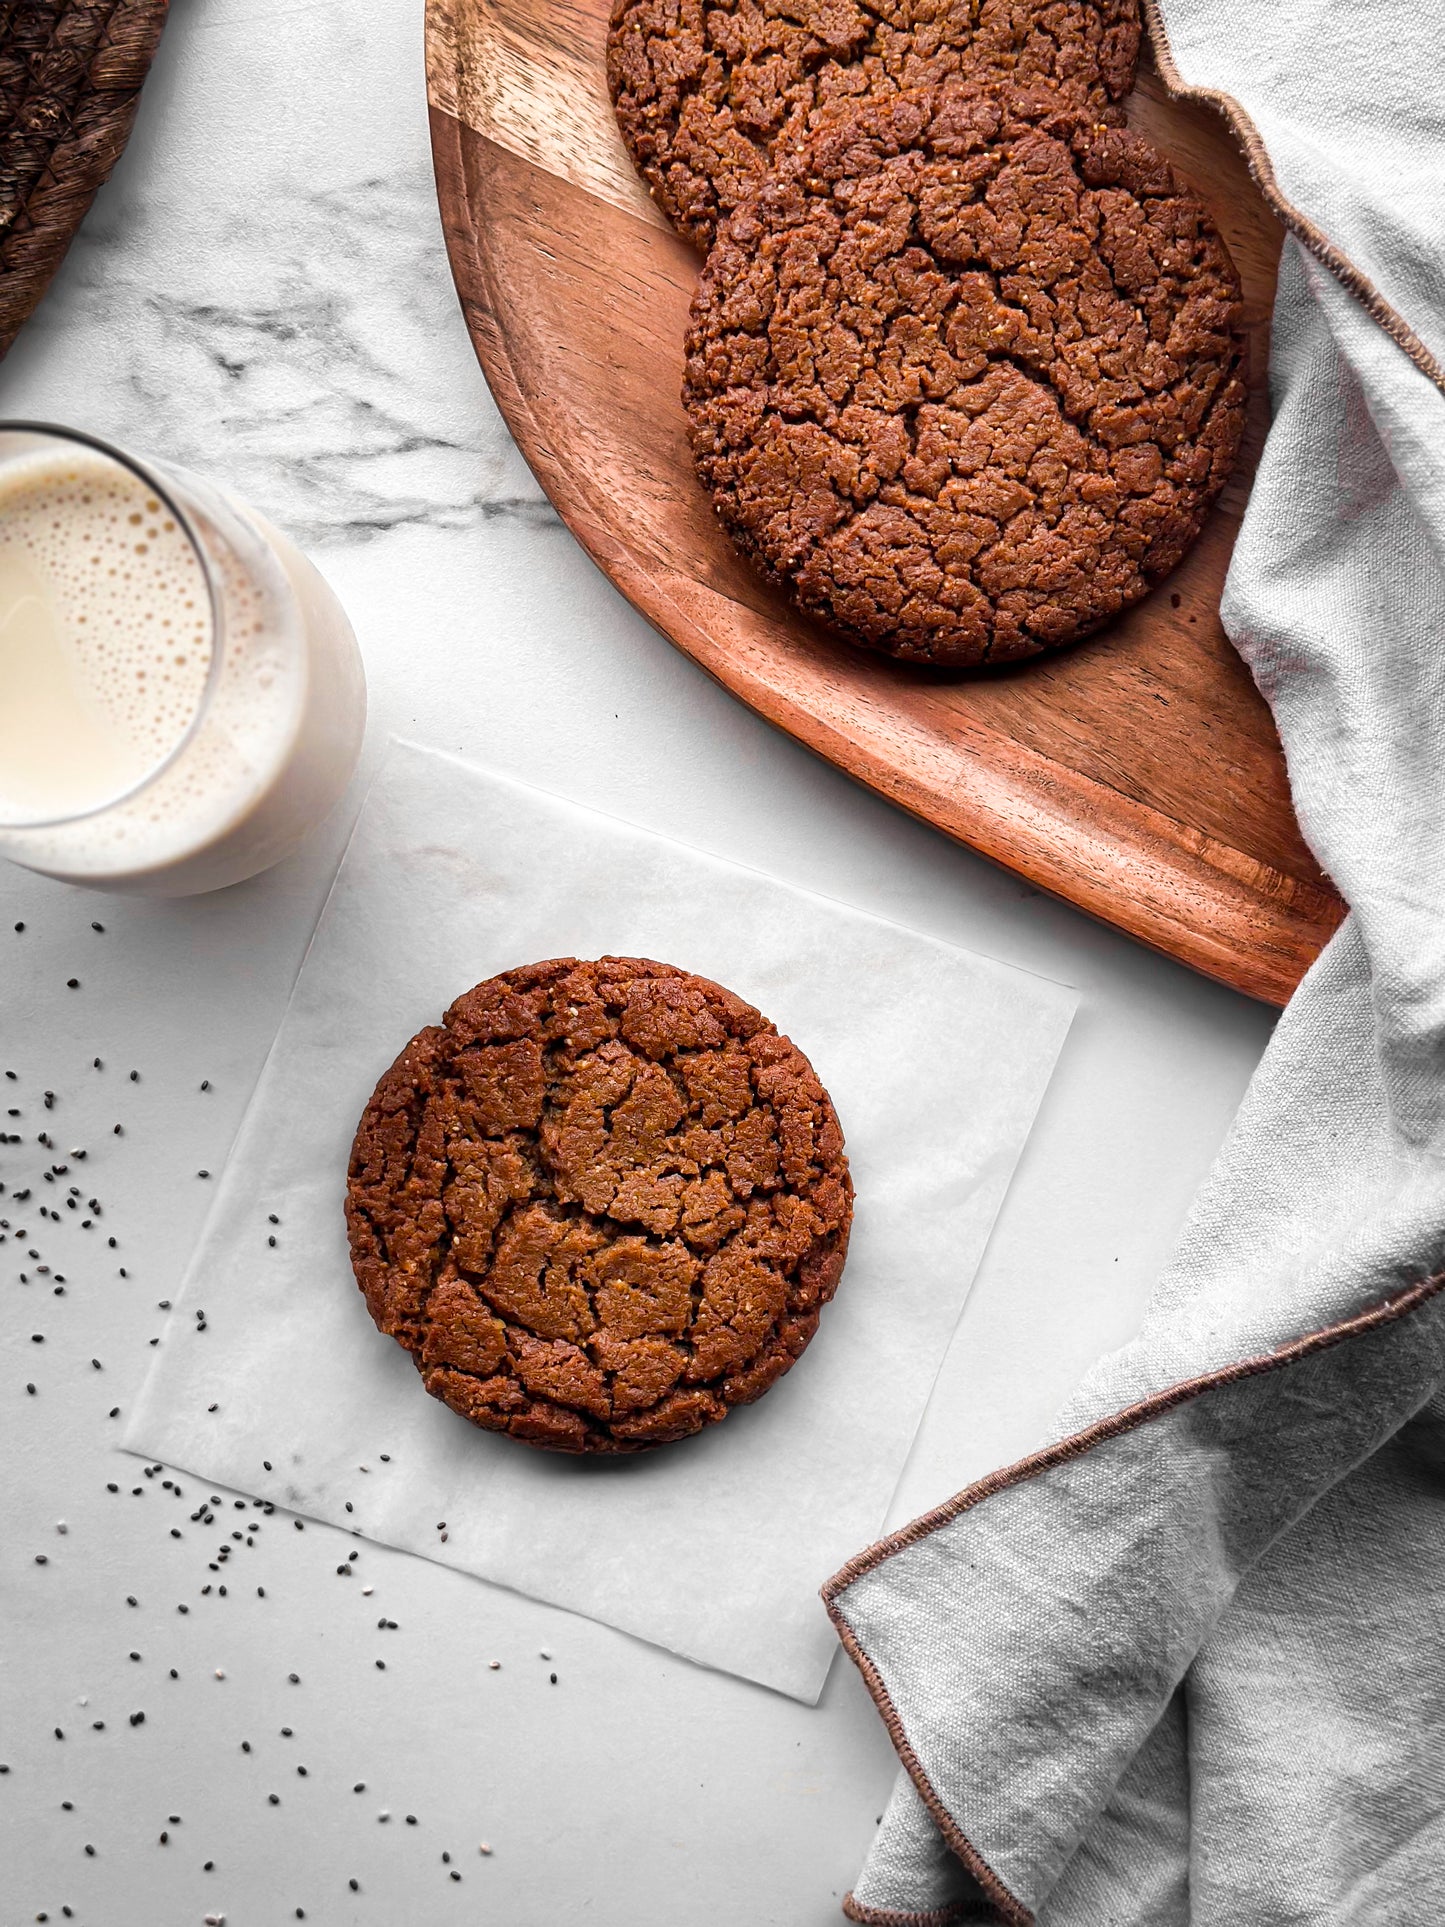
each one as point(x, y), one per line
point(1182, 1668)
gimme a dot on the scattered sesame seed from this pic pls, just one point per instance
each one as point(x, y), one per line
point(484, 1848)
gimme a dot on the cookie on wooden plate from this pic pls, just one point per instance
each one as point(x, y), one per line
point(705, 94)
point(965, 375)
point(600, 1204)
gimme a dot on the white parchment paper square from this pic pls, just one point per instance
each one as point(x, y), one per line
point(715, 1547)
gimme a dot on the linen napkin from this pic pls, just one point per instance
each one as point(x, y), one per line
point(1184, 1666)
point(715, 1547)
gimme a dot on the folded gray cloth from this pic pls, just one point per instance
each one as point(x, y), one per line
point(1185, 1667)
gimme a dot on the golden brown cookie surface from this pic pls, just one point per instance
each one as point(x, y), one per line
point(600, 1204)
point(705, 93)
point(966, 374)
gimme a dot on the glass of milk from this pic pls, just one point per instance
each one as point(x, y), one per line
point(181, 695)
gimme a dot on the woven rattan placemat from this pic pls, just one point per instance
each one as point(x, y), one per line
point(70, 78)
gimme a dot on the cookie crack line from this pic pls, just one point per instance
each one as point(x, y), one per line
point(708, 1227)
point(707, 97)
point(965, 376)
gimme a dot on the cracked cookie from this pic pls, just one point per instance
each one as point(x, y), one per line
point(600, 1204)
point(966, 374)
point(706, 94)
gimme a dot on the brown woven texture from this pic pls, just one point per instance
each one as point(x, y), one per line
point(70, 78)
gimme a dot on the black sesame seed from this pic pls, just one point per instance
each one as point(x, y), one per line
point(137, 1719)
point(274, 1798)
point(135, 1077)
point(205, 1083)
point(245, 1746)
point(355, 1886)
point(72, 983)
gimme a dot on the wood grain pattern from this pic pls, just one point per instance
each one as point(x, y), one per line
point(1137, 775)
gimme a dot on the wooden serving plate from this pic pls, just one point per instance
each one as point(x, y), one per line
point(1138, 775)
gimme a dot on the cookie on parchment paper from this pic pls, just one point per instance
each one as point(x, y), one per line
point(600, 1204)
point(707, 93)
point(966, 374)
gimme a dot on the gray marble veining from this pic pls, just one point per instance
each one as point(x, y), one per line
point(287, 328)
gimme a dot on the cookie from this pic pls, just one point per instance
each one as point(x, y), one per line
point(600, 1204)
point(705, 94)
point(966, 374)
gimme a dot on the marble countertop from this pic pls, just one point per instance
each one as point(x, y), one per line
point(261, 293)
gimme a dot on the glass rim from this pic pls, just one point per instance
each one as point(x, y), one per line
point(158, 485)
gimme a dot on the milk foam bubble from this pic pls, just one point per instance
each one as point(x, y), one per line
point(167, 723)
point(105, 633)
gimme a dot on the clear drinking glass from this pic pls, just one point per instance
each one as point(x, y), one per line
point(181, 694)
